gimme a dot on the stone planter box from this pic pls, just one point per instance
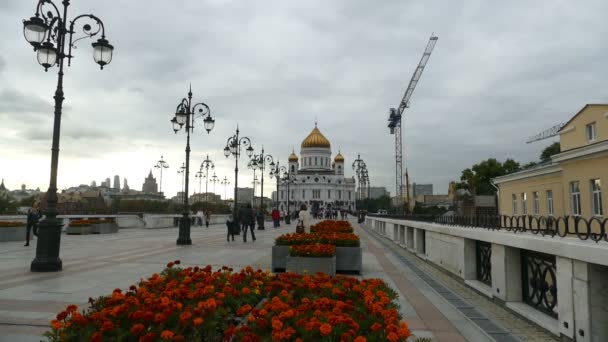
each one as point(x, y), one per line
point(279, 255)
point(349, 260)
point(309, 265)
point(13, 233)
point(80, 230)
point(105, 228)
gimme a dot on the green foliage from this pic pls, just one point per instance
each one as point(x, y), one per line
point(7, 206)
point(550, 150)
point(145, 206)
point(375, 204)
point(215, 208)
point(477, 179)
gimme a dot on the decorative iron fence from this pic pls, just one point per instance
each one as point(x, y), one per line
point(483, 253)
point(539, 283)
point(594, 228)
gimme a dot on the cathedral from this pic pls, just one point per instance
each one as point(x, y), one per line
point(317, 180)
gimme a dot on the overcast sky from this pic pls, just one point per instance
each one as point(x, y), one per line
point(500, 72)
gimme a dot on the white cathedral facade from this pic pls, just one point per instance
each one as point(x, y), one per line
point(318, 181)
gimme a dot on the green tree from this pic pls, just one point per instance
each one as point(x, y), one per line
point(550, 150)
point(478, 178)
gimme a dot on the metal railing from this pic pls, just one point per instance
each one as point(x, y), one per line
point(594, 228)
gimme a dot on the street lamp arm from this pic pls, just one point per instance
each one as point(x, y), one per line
point(201, 109)
point(48, 16)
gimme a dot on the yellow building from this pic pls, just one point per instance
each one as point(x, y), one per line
point(572, 183)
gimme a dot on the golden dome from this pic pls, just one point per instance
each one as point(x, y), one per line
point(339, 158)
point(293, 157)
point(316, 139)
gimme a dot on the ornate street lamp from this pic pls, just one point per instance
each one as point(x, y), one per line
point(260, 162)
point(288, 178)
point(48, 32)
point(359, 166)
point(185, 115)
point(200, 175)
point(233, 146)
point(161, 164)
point(254, 182)
point(225, 182)
point(180, 172)
point(277, 172)
point(214, 179)
point(206, 164)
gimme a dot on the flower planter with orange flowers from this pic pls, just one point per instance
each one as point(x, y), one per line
point(310, 259)
point(202, 304)
point(12, 231)
point(349, 260)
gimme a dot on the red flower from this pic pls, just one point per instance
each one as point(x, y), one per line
point(137, 329)
point(325, 329)
point(167, 334)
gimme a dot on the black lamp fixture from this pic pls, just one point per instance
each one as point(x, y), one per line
point(49, 33)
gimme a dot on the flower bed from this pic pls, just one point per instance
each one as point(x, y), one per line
point(199, 304)
point(88, 222)
point(336, 239)
point(329, 226)
point(315, 251)
point(11, 224)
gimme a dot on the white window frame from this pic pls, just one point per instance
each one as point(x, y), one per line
point(524, 204)
point(596, 197)
point(575, 198)
point(514, 199)
point(591, 132)
point(535, 203)
point(328, 194)
point(549, 195)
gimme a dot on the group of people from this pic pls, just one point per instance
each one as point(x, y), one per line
point(331, 214)
point(245, 221)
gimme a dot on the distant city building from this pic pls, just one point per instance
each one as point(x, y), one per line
point(93, 184)
point(125, 186)
point(108, 183)
point(150, 186)
point(204, 197)
point(245, 195)
point(422, 189)
point(116, 183)
point(377, 192)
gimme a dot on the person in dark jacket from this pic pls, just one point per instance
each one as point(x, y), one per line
point(33, 216)
point(233, 227)
point(247, 221)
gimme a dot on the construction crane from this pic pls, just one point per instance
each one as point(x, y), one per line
point(395, 115)
point(548, 133)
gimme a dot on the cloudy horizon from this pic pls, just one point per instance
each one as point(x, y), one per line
point(499, 74)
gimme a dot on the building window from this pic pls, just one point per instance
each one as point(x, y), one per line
point(591, 134)
point(550, 202)
point(596, 197)
point(293, 194)
point(315, 161)
point(535, 204)
point(316, 194)
point(514, 197)
point(349, 195)
point(339, 194)
point(303, 194)
point(282, 194)
point(293, 168)
point(524, 200)
point(575, 199)
point(328, 194)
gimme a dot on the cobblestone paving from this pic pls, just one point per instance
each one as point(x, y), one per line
point(511, 322)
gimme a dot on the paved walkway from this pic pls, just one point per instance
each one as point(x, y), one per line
point(94, 265)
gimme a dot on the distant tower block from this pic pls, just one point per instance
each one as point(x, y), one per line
point(94, 184)
point(116, 182)
point(125, 186)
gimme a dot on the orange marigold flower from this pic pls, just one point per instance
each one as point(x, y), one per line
point(137, 329)
point(71, 308)
point(376, 326)
point(246, 291)
point(325, 329)
point(197, 321)
point(167, 334)
point(96, 337)
point(107, 326)
point(185, 316)
point(243, 310)
point(360, 339)
point(392, 337)
point(62, 315)
point(277, 324)
point(56, 324)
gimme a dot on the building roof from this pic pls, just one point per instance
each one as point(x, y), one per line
point(579, 112)
point(2, 185)
point(316, 139)
point(293, 157)
point(339, 157)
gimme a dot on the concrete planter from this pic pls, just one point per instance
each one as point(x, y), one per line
point(13, 233)
point(105, 228)
point(309, 265)
point(79, 230)
point(279, 255)
point(349, 259)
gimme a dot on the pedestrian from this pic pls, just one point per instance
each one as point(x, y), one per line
point(233, 227)
point(247, 221)
point(207, 217)
point(33, 216)
point(304, 217)
point(276, 218)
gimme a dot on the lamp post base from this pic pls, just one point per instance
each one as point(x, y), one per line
point(184, 231)
point(47, 247)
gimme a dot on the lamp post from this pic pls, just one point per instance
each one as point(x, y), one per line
point(206, 164)
point(277, 171)
point(254, 182)
point(233, 146)
point(225, 182)
point(161, 164)
point(252, 165)
point(260, 162)
point(200, 175)
point(214, 179)
point(359, 166)
point(48, 32)
point(288, 179)
point(185, 114)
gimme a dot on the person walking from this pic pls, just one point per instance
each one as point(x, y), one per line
point(33, 216)
point(304, 217)
point(276, 218)
point(247, 221)
point(207, 217)
point(233, 227)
